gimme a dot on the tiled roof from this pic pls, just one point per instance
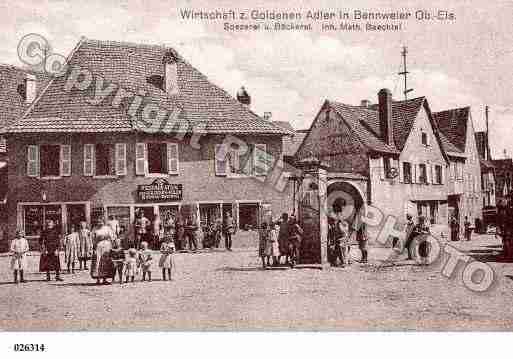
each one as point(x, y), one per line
point(12, 82)
point(365, 122)
point(129, 66)
point(453, 124)
point(291, 143)
point(449, 147)
point(285, 124)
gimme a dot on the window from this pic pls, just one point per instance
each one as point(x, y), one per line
point(459, 171)
point(407, 172)
point(35, 218)
point(433, 211)
point(255, 162)
point(156, 158)
point(424, 138)
point(387, 166)
point(104, 160)
point(423, 173)
point(438, 174)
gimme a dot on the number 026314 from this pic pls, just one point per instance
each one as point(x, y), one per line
point(29, 347)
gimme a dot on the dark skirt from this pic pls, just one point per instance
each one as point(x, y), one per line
point(49, 262)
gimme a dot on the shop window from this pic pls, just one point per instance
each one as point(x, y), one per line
point(122, 214)
point(104, 159)
point(48, 155)
point(36, 217)
point(407, 172)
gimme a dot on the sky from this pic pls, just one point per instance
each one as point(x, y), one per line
point(465, 62)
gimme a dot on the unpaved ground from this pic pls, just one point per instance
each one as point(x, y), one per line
point(228, 290)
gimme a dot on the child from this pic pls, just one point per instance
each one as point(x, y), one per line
point(145, 261)
point(71, 248)
point(272, 244)
point(166, 258)
point(19, 249)
point(262, 244)
point(118, 259)
point(131, 264)
point(85, 245)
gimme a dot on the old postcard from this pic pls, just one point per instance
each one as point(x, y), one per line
point(256, 165)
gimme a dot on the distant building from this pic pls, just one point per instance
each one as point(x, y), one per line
point(503, 179)
point(488, 185)
point(465, 194)
point(389, 155)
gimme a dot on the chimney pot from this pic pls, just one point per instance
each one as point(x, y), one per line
point(243, 96)
point(267, 116)
point(365, 103)
point(385, 116)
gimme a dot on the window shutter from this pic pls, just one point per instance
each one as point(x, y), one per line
point(141, 161)
point(414, 172)
point(381, 168)
point(172, 158)
point(442, 174)
point(428, 173)
point(65, 160)
point(261, 159)
point(33, 161)
point(220, 160)
point(88, 159)
point(121, 159)
point(401, 171)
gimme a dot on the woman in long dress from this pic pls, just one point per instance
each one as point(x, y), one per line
point(102, 266)
point(85, 245)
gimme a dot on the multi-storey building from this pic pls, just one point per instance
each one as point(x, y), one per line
point(130, 127)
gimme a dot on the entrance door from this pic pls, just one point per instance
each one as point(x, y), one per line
point(76, 214)
point(248, 216)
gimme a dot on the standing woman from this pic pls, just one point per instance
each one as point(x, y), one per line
point(102, 266)
point(85, 245)
point(228, 231)
point(295, 236)
point(283, 238)
point(50, 243)
point(157, 235)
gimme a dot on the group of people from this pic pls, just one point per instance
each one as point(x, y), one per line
point(340, 237)
point(454, 225)
point(100, 246)
point(186, 233)
point(280, 239)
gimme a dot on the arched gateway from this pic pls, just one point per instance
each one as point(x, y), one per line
point(321, 194)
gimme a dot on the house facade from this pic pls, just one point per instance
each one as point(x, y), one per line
point(388, 155)
point(79, 158)
point(503, 179)
point(465, 188)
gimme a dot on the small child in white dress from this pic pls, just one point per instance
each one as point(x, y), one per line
point(131, 265)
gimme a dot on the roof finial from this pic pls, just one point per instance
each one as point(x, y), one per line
point(405, 73)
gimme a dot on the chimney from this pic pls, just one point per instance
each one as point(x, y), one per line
point(365, 103)
point(30, 88)
point(243, 96)
point(267, 116)
point(385, 116)
point(170, 73)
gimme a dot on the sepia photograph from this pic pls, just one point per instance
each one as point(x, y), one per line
point(191, 166)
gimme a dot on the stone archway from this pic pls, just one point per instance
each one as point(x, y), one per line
point(345, 199)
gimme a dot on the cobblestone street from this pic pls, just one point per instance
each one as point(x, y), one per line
point(220, 290)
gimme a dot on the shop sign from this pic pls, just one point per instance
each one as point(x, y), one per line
point(159, 190)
